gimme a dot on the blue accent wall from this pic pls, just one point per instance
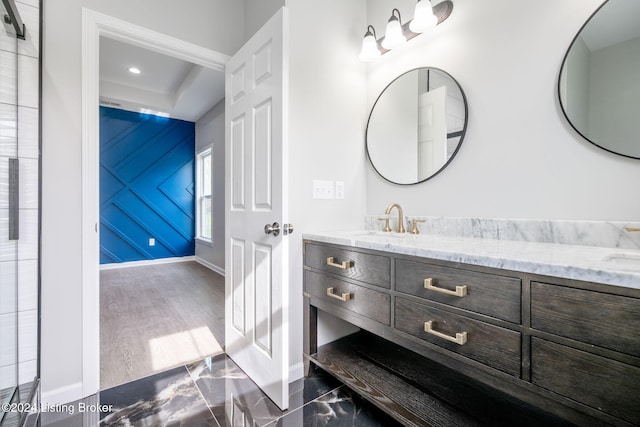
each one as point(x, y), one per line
point(147, 187)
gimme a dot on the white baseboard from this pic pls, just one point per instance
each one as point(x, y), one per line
point(296, 372)
point(210, 266)
point(62, 395)
point(146, 262)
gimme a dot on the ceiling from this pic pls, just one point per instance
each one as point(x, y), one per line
point(166, 86)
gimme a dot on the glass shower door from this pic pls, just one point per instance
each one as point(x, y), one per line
point(8, 212)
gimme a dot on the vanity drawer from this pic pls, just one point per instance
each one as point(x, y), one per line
point(369, 268)
point(490, 294)
point(489, 344)
point(358, 299)
point(608, 385)
point(605, 320)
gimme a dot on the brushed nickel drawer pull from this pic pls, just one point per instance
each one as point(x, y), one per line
point(345, 264)
point(345, 297)
point(460, 338)
point(459, 292)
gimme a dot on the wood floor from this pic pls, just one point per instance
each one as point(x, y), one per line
point(157, 317)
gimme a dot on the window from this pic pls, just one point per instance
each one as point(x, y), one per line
point(204, 182)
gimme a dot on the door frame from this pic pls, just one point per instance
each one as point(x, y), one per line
point(95, 25)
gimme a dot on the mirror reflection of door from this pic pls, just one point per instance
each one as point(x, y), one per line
point(432, 132)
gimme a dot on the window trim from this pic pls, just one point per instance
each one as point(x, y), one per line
point(200, 155)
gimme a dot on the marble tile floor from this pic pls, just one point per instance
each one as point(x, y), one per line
point(215, 392)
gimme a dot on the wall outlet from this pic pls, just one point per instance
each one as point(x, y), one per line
point(152, 241)
point(323, 189)
point(339, 189)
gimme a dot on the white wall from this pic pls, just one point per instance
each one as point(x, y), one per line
point(213, 24)
point(210, 133)
point(520, 158)
point(326, 129)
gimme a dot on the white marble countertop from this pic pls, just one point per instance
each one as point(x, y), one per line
point(619, 267)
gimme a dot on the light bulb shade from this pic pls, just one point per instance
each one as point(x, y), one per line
point(394, 35)
point(423, 18)
point(370, 51)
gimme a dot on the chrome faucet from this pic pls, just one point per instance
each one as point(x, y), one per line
point(400, 228)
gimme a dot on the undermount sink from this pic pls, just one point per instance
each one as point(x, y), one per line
point(624, 259)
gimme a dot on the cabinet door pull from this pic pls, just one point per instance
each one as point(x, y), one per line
point(345, 264)
point(459, 292)
point(344, 297)
point(460, 338)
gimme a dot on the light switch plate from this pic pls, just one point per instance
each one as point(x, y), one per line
point(322, 189)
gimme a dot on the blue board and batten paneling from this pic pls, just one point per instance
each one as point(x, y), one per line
point(146, 186)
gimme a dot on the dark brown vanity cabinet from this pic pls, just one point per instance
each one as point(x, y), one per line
point(486, 343)
point(603, 319)
point(358, 299)
point(359, 266)
point(593, 354)
point(490, 294)
point(446, 343)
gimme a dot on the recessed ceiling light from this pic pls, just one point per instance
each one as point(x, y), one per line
point(134, 70)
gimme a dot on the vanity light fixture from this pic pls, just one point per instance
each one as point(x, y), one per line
point(425, 17)
point(394, 36)
point(134, 70)
point(370, 50)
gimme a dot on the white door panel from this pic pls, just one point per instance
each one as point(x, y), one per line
point(432, 132)
point(238, 289)
point(256, 282)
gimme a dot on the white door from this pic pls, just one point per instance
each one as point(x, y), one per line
point(432, 132)
point(256, 283)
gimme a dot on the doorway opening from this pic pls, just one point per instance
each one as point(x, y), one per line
point(100, 34)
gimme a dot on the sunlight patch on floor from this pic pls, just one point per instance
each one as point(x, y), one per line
point(182, 347)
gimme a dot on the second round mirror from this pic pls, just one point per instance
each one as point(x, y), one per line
point(598, 86)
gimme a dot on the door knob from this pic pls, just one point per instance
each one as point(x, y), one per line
point(272, 229)
point(287, 229)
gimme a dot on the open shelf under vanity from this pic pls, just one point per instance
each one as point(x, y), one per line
point(417, 391)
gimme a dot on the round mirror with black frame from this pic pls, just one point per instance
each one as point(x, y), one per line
point(416, 126)
point(598, 86)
